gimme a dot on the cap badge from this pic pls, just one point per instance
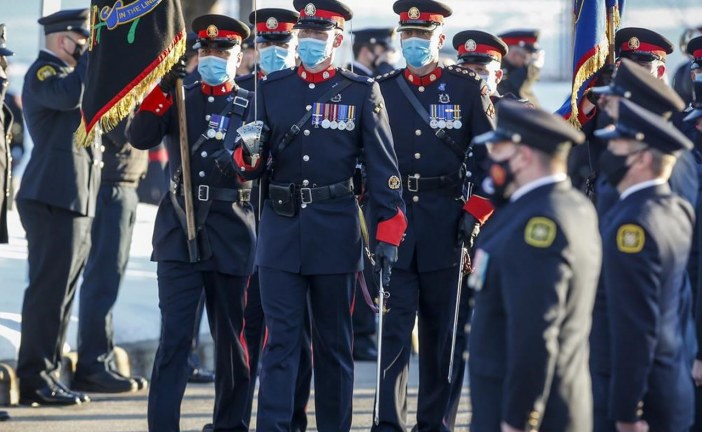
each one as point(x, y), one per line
point(271, 23)
point(310, 9)
point(212, 31)
point(413, 13)
point(471, 45)
point(394, 183)
point(634, 43)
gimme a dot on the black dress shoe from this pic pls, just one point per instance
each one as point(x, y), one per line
point(364, 349)
point(4, 416)
point(142, 383)
point(201, 376)
point(48, 395)
point(209, 427)
point(103, 382)
point(84, 398)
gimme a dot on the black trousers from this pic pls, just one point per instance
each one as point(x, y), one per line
point(600, 403)
point(284, 297)
point(58, 242)
point(431, 297)
point(115, 216)
point(179, 287)
point(255, 331)
point(460, 355)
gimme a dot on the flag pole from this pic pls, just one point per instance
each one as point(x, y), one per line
point(185, 172)
point(610, 33)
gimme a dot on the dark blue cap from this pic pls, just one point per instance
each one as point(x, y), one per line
point(219, 31)
point(3, 42)
point(322, 14)
point(533, 127)
point(524, 38)
point(273, 25)
point(640, 44)
point(642, 125)
point(75, 20)
point(421, 14)
point(374, 36)
point(479, 47)
point(633, 82)
point(696, 112)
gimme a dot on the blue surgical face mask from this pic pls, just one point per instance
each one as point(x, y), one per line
point(313, 51)
point(275, 58)
point(490, 81)
point(215, 70)
point(418, 52)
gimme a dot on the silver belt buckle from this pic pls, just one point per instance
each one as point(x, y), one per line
point(413, 183)
point(203, 193)
point(306, 195)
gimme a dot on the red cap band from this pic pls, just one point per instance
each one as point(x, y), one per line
point(697, 53)
point(480, 49)
point(643, 46)
point(320, 13)
point(220, 34)
point(262, 27)
point(404, 16)
point(517, 41)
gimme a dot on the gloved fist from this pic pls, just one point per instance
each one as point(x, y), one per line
point(225, 163)
point(385, 258)
point(168, 81)
point(468, 230)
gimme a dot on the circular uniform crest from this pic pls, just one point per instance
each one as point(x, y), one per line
point(310, 9)
point(634, 43)
point(271, 23)
point(470, 45)
point(212, 31)
point(413, 13)
point(394, 182)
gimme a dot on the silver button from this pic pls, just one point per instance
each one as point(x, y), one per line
point(102, 164)
point(102, 148)
point(469, 174)
point(305, 182)
point(305, 158)
point(203, 154)
point(312, 85)
point(303, 205)
point(306, 132)
point(421, 89)
point(470, 154)
point(418, 132)
point(417, 156)
point(308, 107)
point(201, 173)
point(208, 117)
point(210, 99)
point(415, 198)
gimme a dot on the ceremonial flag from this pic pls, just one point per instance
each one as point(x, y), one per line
point(595, 23)
point(133, 43)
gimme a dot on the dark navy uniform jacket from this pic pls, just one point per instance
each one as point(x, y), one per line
point(325, 236)
point(536, 268)
point(433, 215)
point(646, 242)
point(58, 173)
point(229, 227)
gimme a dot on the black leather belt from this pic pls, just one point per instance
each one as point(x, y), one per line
point(308, 195)
point(209, 193)
point(416, 183)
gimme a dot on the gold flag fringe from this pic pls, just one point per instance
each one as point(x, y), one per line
point(587, 70)
point(123, 107)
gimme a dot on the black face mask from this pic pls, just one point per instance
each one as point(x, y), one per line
point(77, 49)
point(614, 167)
point(501, 176)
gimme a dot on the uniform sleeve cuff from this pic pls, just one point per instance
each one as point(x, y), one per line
point(241, 163)
point(156, 102)
point(586, 117)
point(479, 207)
point(391, 231)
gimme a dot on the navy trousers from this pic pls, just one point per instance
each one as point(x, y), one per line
point(431, 297)
point(115, 215)
point(58, 242)
point(284, 297)
point(179, 287)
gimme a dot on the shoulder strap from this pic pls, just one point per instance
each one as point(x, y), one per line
point(424, 114)
point(240, 103)
point(295, 129)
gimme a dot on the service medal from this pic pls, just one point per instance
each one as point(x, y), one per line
point(326, 123)
point(442, 124)
point(433, 123)
point(334, 124)
point(210, 133)
point(342, 125)
point(449, 124)
point(350, 125)
point(457, 124)
point(219, 135)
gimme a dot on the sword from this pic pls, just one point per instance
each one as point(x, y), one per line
point(379, 370)
point(456, 311)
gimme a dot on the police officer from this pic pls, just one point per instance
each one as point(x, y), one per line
point(431, 149)
point(56, 204)
point(319, 119)
point(373, 52)
point(522, 64)
point(482, 52)
point(646, 243)
point(112, 229)
point(536, 267)
point(216, 107)
point(5, 156)
point(276, 43)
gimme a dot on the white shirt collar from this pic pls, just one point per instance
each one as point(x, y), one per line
point(357, 65)
point(639, 186)
point(543, 181)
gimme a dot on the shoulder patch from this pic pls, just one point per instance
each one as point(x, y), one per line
point(388, 75)
point(45, 72)
point(355, 77)
point(631, 238)
point(273, 76)
point(540, 232)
